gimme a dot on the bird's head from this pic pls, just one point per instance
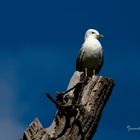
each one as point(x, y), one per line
point(92, 33)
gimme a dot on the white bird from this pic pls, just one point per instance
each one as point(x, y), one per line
point(90, 58)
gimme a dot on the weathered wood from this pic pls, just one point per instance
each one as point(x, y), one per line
point(79, 110)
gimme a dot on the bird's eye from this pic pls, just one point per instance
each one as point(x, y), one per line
point(92, 32)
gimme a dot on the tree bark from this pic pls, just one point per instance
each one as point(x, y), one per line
point(79, 110)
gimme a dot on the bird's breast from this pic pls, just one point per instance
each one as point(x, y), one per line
point(92, 50)
point(92, 55)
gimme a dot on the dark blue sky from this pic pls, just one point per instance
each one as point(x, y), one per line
point(39, 41)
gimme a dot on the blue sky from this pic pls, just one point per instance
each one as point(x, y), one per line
point(39, 42)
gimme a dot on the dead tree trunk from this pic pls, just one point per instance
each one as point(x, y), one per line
point(79, 110)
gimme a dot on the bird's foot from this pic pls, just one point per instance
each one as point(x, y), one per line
point(93, 72)
point(85, 72)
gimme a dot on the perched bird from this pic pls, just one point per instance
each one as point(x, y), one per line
point(90, 58)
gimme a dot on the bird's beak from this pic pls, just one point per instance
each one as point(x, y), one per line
point(100, 35)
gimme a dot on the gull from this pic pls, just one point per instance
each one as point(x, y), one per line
point(90, 58)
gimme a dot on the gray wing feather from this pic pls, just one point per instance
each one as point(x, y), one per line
point(102, 62)
point(79, 60)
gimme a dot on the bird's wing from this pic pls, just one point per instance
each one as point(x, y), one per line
point(79, 59)
point(102, 62)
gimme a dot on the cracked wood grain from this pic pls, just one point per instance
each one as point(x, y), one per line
point(79, 121)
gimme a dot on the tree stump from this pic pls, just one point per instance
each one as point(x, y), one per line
point(79, 110)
